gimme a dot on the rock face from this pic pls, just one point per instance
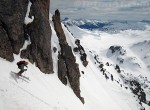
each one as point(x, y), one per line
point(66, 63)
point(40, 34)
point(12, 14)
point(81, 50)
point(13, 32)
point(58, 28)
point(62, 71)
point(5, 48)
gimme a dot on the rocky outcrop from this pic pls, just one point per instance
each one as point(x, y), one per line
point(83, 55)
point(5, 47)
point(13, 32)
point(12, 14)
point(66, 63)
point(58, 28)
point(62, 71)
point(39, 31)
point(119, 49)
point(27, 54)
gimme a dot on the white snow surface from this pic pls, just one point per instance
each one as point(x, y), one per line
point(27, 19)
point(107, 94)
point(46, 92)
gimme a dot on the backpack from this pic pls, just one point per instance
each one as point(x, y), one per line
point(20, 62)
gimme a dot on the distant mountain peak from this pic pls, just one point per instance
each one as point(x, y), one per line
point(107, 26)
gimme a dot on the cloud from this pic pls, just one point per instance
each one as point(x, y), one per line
point(103, 9)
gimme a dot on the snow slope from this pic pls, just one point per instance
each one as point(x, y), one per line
point(41, 92)
point(132, 57)
point(46, 92)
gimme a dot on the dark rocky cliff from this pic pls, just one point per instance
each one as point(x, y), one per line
point(13, 32)
point(12, 14)
point(66, 60)
point(40, 34)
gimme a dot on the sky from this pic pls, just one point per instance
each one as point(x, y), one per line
point(103, 9)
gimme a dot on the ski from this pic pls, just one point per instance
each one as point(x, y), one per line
point(24, 77)
point(16, 76)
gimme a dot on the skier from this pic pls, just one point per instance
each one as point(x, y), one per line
point(21, 65)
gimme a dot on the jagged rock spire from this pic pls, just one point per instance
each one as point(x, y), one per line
point(66, 59)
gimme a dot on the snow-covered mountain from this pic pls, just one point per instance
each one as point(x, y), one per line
point(123, 57)
point(117, 76)
point(107, 26)
point(85, 66)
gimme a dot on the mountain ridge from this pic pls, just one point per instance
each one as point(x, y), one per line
point(107, 26)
